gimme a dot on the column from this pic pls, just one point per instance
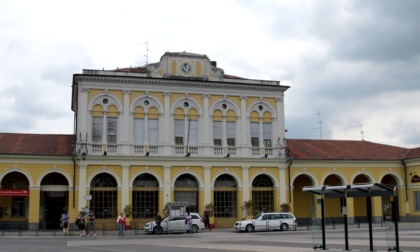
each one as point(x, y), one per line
point(166, 184)
point(82, 114)
point(125, 129)
point(245, 183)
point(244, 129)
point(280, 118)
point(207, 185)
point(34, 204)
point(82, 186)
point(166, 125)
point(125, 185)
point(283, 185)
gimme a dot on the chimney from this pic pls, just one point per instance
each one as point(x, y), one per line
point(213, 63)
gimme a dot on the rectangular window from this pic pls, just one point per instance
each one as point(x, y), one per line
point(179, 132)
point(145, 203)
point(112, 130)
point(138, 131)
point(231, 133)
point(193, 133)
point(104, 204)
point(417, 201)
point(97, 129)
point(153, 131)
point(217, 133)
point(18, 207)
point(267, 134)
point(225, 204)
point(255, 134)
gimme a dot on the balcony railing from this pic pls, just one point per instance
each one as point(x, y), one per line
point(181, 150)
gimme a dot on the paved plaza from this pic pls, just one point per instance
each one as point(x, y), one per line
point(219, 240)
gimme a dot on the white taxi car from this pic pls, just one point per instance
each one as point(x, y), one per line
point(266, 222)
point(175, 224)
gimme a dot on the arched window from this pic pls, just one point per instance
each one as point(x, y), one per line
point(186, 191)
point(225, 196)
point(262, 194)
point(145, 196)
point(104, 196)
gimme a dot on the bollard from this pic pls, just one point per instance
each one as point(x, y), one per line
point(333, 223)
point(358, 222)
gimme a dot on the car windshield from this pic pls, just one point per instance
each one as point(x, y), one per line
point(257, 216)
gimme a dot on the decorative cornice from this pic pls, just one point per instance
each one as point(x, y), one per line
point(181, 83)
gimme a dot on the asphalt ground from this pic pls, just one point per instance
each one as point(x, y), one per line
point(223, 240)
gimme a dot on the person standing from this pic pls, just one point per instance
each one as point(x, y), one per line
point(121, 224)
point(65, 222)
point(206, 220)
point(188, 222)
point(158, 220)
point(81, 224)
point(91, 222)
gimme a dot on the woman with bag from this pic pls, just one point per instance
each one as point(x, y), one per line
point(65, 222)
point(121, 224)
point(81, 223)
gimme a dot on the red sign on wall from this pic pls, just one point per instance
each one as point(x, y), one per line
point(14, 192)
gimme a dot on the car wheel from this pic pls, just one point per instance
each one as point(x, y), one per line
point(157, 230)
point(194, 228)
point(284, 227)
point(249, 228)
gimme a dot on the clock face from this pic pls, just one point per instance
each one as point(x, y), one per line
point(186, 68)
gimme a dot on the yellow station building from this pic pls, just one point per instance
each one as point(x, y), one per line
point(182, 131)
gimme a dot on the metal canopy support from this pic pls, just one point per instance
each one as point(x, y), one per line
point(357, 190)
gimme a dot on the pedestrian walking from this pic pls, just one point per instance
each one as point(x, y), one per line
point(65, 222)
point(206, 220)
point(158, 220)
point(81, 223)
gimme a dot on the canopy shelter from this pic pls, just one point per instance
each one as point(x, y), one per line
point(357, 190)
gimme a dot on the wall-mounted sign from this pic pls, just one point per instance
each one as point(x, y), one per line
point(14, 192)
point(415, 179)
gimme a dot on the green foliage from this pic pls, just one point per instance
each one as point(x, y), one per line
point(209, 208)
point(247, 207)
point(285, 207)
point(128, 211)
point(167, 209)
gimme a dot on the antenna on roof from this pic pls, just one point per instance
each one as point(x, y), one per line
point(147, 52)
point(320, 125)
point(361, 131)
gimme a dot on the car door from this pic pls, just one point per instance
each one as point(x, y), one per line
point(275, 221)
point(261, 223)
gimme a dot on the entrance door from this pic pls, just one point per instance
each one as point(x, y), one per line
point(53, 209)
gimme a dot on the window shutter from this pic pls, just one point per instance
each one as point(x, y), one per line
point(231, 133)
point(153, 131)
point(138, 131)
point(193, 134)
point(267, 134)
point(112, 130)
point(217, 132)
point(255, 134)
point(179, 131)
point(97, 129)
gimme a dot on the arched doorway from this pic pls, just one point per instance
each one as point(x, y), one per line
point(145, 198)
point(186, 191)
point(303, 203)
point(390, 180)
point(333, 206)
point(103, 189)
point(262, 194)
point(53, 199)
point(359, 203)
point(14, 199)
point(225, 198)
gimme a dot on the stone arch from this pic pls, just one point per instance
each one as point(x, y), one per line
point(112, 101)
point(263, 190)
point(303, 202)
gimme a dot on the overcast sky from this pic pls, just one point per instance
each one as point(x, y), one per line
point(352, 65)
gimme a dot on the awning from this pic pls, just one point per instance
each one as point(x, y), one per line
point(355, 190)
